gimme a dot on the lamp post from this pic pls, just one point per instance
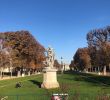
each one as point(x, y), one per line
point(61, 65)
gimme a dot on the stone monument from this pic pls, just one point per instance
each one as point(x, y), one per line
point(49, 72)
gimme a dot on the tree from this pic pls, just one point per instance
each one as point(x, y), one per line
point(82, 59)
point(99, 46)
point(56, 64)
point(27, 51)
point(72, 65)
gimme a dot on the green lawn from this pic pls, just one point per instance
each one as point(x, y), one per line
point(77, 85)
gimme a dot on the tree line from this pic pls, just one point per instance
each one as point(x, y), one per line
point(21, 50)
point(96, 56)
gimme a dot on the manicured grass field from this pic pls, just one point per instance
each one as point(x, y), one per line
point(77, 85)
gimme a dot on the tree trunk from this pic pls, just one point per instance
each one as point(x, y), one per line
point(64, 68)
point(1, 73)
point(18, 73)
point(23, 73)
point(104, 71)
point(35, 72)
point(98, 69)
point(95, 69)
point(109, 67)
point(99, 73)
point(10, 72)
point(86, 70)
point(28, 73)
point(91, 69)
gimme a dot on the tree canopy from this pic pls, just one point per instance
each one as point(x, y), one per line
point(98, 51)
point(26, 51)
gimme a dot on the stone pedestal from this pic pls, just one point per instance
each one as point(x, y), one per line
point(49, 78)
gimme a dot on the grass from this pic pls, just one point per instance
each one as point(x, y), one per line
point(91, 87)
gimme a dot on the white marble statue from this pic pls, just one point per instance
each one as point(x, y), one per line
point(50, 57)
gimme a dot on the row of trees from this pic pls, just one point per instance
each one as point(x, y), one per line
point(97, 54)
point(22, 49)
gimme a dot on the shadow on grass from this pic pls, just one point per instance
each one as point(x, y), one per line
point(36, 83)
point(90, 78)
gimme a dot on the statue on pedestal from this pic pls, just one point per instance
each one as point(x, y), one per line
point(49, 72)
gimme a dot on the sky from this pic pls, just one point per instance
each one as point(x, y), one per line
point(61, 24)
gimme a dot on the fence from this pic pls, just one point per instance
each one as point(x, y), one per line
point(75, 96)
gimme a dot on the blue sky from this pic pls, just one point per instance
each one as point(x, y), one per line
point(63, 24)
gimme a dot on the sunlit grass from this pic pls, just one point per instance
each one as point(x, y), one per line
point(71, 83)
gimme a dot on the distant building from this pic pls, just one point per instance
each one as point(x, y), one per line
point(63, 67)
point(66, 67)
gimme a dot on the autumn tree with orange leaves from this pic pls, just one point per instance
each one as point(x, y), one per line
point(97, 54)
point(81, 60)
point(27, 52)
